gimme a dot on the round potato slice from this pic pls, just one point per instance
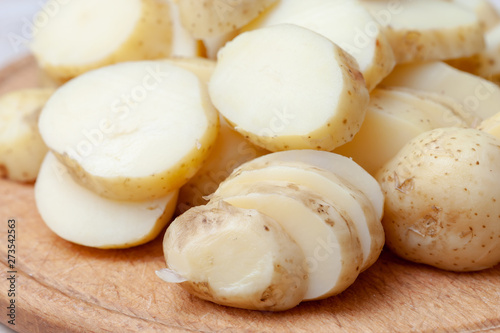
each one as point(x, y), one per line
point(21, 147)
point(80, 36)
point(334, 190)
point(346, 23)
point(283, 97)
point(131, 131)
point(324, 232)
point(80, 216)
point(235, 257)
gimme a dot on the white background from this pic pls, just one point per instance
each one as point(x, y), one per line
point(14, 15)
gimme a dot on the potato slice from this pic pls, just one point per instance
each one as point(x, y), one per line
point(427, 29)
point(442, 192)
point(235, 257)
point(324, 232)
point(183, 43)
point(80, 216)
point(491, 125)
point(212, 18)
point(485, 11)
point(341, 166)
point(334, 190)
point(346, 23)
point(394, 117)
point(21, 147)
point(283, 97)
point(81, 37)
point(202, 67)
point(231, 149)
point(131, 131)
point(479, 97)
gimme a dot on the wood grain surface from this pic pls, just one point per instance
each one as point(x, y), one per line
point(63, 287)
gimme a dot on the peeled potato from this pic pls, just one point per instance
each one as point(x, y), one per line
point(427, 29)
point(235, 257)
point(131, 131)
point(212, 18)
point(21, 147)
point(81, 36)
point(80, 216)
point(283, 97)
point(393, 118)
point(346, 23)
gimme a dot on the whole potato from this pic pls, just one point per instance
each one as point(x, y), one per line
point(443, 199)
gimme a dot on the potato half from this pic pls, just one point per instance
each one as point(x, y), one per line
point(286, 87)
point(131, 131)
point(442, 199)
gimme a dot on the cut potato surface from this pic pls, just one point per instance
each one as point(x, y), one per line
point(333, 190)
point(394, 117)
point(21, 147)
point(230, 150)
point(442, 192)
point(183, 42)
point(80, 216)
point(235, 257)
point(281, 96)
point(339, 165)
point(346, 23)
point(213, 18)
point(491, 125)
point(324, 232)
point(484, 9)
point(202, 67)
point(131, 131)
point(81, 37)
point(479, 97)
point(427, 29)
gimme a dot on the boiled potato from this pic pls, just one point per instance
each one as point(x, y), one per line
point(393, 118)
point(327, 236)
point(283, 97)
point(346, 23)
point(21, 147)
point(427, 29)
point(480, 98)
point(131, 131)
point(442, 192)
point(82, 35)
point(80, 216)
point(235, 257)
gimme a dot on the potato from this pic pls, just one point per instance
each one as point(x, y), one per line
point(346, 23)
point(333, 190)
point(491, 125)
point(235, 257)
point(442, 192)
point(81, 36)
point(324, 232)
point(212, 18)
point(393, 118)
point(201, 67)
point(80, 216)
point(427, 29)
point(283, 97)
point(131, 131)
point(183, 42)
point(480, 98)
point(484, 9)
point(21, 147)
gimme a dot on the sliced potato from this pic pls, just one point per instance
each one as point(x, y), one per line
point(81, 37)
point(485, 11)
point(480, 98)
point(21, 147)
point(80, 216)
point(491, 125)
point(324, 232)
point(427, 29)
point(212, 18)
point(202, 67)
point(394, 117)
point(333, 190)
point(230, 150)
point(183, 42)
point(282, 97)
point(346, 23)
point(131, 131)
point(235, 257)
point(442, 192)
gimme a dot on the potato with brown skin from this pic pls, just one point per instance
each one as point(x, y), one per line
point(443, 199)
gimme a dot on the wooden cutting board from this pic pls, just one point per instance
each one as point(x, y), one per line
point(62, 287)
